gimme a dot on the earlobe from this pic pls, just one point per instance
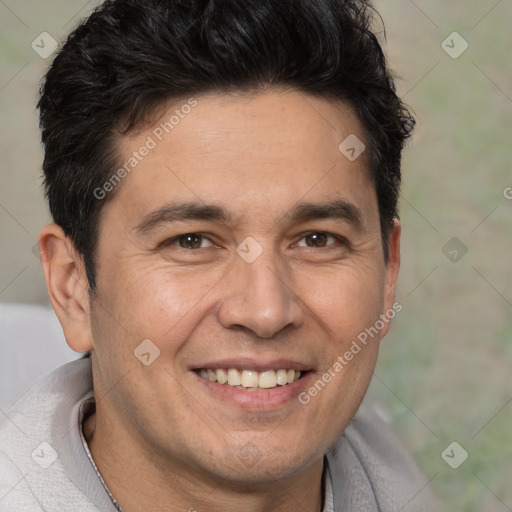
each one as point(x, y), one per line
point(67, 286)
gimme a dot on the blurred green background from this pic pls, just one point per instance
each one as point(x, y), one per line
point(445, 369)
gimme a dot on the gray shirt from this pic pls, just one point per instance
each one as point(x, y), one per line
point(45, 463)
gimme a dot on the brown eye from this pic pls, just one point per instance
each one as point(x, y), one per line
point(189, 241)
point(316, 239)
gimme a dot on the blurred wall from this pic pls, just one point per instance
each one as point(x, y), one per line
point(22, 208)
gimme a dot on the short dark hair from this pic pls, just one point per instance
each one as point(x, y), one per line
point(131, 56)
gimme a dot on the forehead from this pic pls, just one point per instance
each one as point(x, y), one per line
point(257, 153)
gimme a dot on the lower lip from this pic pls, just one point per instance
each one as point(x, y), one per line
point(263, 400)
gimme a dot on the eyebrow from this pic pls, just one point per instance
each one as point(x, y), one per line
point(183, 212)
point(338, 209)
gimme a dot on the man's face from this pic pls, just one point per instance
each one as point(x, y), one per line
point(276, 285)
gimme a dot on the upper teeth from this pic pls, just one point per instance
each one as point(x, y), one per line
point(251, 378)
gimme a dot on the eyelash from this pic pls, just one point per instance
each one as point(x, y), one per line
point(340, 239)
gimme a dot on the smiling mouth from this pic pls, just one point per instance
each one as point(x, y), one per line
point(251, 380)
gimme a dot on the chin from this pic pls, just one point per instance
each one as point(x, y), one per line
point(258, 463)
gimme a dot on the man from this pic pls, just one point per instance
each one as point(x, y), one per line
point(223, 177)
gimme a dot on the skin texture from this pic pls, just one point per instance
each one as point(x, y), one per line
point(160, 437)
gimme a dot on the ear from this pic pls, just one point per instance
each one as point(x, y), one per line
point(391, 272)
point(67, 286)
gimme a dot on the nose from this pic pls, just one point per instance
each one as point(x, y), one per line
point(258, 296)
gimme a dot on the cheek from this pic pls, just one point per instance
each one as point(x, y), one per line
point(345, 300)
point(157, 303)
point(351, 303)
point(165, 304)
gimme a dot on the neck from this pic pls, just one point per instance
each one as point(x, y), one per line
point(136, 480)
